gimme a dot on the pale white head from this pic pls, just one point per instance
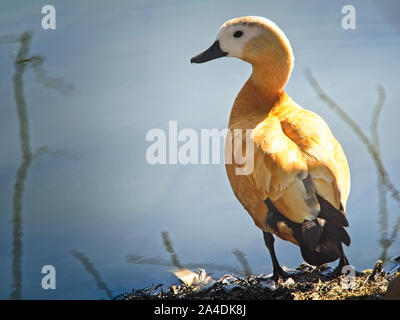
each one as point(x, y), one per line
point(258, 41)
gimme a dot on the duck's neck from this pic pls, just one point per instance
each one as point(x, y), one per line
point(252, 104)
point(270, 77)
point(261, 92)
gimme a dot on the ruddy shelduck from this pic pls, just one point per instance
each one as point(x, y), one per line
point(300, 182)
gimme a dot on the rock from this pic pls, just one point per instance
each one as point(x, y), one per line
point(393, 290)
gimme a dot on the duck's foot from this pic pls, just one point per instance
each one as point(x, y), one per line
point(338, 271)
point(280, 276)
point(344, 267)
point(341, 270)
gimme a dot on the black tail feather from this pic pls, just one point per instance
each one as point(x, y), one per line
point(331, 214)
point(338, 233)
point(321, 239)
point(329, 247)
point(311, 231)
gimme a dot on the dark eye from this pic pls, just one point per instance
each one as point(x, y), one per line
point(238, 34)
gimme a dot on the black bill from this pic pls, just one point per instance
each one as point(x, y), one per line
point(211, 53)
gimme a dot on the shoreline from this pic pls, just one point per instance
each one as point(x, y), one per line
point(305, 283)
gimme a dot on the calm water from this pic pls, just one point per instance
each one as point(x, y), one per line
point(76, 191)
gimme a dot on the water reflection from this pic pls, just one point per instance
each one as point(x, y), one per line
point(20, 65)
point(168, 246)
point(241, 257)
point(139, 259)
point(384, 182)
point(21, 62)
point(56, 83)
point(91, 269)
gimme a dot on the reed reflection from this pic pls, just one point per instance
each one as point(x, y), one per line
point(22, 61)
point(91, 269)
point(384, 183)
point(139, 259)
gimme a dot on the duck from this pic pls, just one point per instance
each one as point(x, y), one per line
point(300, 179)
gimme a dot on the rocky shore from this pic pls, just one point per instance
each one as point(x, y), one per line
point(305, 283)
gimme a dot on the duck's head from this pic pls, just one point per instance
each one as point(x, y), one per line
point(258, 41)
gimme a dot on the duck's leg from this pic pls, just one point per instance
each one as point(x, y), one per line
point(278, 274)
point(342, 262)
point(343, 259)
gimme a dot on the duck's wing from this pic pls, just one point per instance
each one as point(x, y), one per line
point(298, 164)
point(326, 161)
